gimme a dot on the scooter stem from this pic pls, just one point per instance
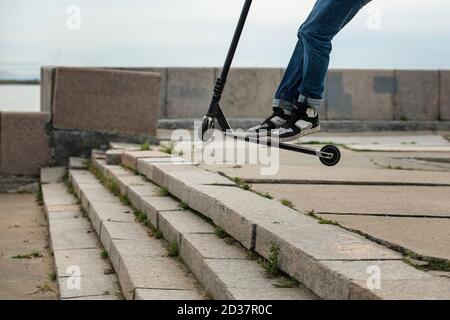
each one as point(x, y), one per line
point(220, 82)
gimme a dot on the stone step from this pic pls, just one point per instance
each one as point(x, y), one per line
point(226, 271)
point(330, 261)
point(141, 261)
point(81, 270)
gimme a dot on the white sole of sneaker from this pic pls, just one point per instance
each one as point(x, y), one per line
point(301, 134)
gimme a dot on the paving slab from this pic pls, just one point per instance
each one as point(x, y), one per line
point(20, 278)
point(340, 175)
point(399, 148)
point(364, 200)
point(424, 236)
point(379, 140)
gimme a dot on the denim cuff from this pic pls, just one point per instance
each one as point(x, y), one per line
point(283, 104)
point(315, 103)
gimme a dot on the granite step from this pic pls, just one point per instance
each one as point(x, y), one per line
point(82, 270)
point(140, 260)
point(226, 270)
point(332, 262)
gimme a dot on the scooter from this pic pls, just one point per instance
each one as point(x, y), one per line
point(329, 155)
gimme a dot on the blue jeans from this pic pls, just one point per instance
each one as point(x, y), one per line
point(304, 79)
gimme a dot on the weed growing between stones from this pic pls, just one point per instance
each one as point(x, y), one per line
point(39, 196)
point(183, 205)
point(140, 216)
point(286, 282)
point(172, 250)
point(271, 264)
point(287, 203)
point(167, 148)
point(146, 146)
point(321, 220)
point(163, 192)
point(104, 254)
point(124, 200)
point(52, 276)
point(426, 263)
point(32, 255)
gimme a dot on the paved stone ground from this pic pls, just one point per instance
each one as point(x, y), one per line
point(397, 192)
point(23, 231)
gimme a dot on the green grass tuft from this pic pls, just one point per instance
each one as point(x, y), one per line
point(172, 250)
point(146, 146)
point(104, 254)
point(287, 203)
point(271, 264)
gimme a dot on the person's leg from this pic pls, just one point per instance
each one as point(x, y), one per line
point(304, 77)
point(306, 88)
point(316, 34)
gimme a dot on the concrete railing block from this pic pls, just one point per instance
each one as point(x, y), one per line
point(24, 146)
point(47, 88)
point(416, 95)
point(444, 99)
point(189, 92)
point(249, 92)
point(360, 95)
point(123, 102)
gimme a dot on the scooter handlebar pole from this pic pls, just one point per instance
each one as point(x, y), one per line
point(220, 83)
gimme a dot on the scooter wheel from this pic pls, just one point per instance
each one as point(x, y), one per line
point(334, 160)
point(207, 128)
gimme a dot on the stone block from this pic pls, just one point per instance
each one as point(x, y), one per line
point(249, 92)
point(189, 92)
point(151, 206)
point(111, 101)
point(89, 286)
point(76, 235)
point(152, 272)
point(444, 98)
point(47, 88)
point(139, 248)
point(24, 147)
point(416, 95)
point(157, 294)
point(360, 95)
point(301, 253)
point(121, 231)
point(130, 158)
point(89, 261)
point(113, 212)
point(399, 281)
point(175, 224)
point(52, 175)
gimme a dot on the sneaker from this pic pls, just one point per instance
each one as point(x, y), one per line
point(275, 121)
point(303, 121)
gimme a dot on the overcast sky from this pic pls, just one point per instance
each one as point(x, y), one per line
point(412, 34)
